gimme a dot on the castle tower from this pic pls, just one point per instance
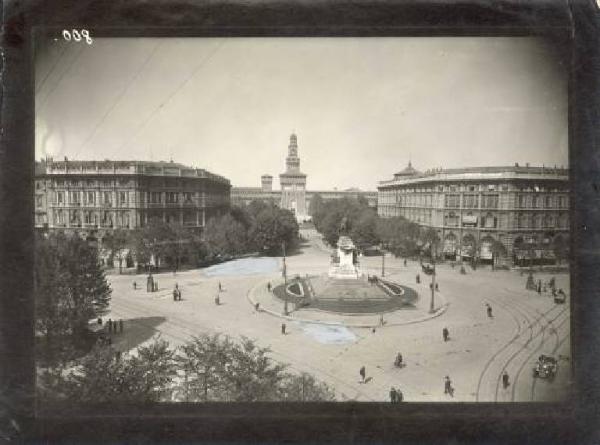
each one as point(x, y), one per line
point(293, 182)
point(266, 182)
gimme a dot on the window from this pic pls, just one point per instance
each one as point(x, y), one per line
point(521, 201)
point(122, 198)
point(548, 203)
point(536, 201)
point(59, 217)
point(87, 217)
point(155, 197)
point(91, 198)
point(38, 201)
point(451, 220)
point(452, 201)
point(74, 198)
point(187, 197)
point(489, 221)
point(471, 188)
point(60, 197)
point(470, 201)
point(171, 198)
point(107, 199)
point(489, 201)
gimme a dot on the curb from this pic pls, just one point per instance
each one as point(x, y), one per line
point(441, 310)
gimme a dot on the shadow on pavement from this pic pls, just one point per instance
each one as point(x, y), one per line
point(135, 332)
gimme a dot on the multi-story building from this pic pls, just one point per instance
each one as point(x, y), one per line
point(93, 197)
point(293, 194)
point(524, 208)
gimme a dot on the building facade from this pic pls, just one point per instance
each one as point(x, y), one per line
point(293, 194)
point(93, 197)
point(524, 208)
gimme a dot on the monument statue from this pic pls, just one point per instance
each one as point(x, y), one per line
point(343, 230)
point(344, 262)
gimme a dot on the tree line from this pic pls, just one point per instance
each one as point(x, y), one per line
point(258, 227)
point(207, 368)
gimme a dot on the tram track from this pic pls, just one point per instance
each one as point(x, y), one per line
point(521, 315)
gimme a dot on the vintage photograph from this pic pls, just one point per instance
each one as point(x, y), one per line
point(301, 219)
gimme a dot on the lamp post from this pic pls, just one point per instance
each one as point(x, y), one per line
point(285, 302)
point(382, 262)
point(432, 303)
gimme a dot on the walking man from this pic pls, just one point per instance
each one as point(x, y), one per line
point(363, 373)
point(418, 278)
point(445, 334)
point(489, 310)
point(269, 286)
point(220, 287)
point(393, 395)
point(175, 293)
point(110, 327)
point(448, 386)
point(283, 328)
point(404, 262)
point(134, 285)
point(217, 300)
point(505, 381)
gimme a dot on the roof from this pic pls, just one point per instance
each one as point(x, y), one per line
point(408, 171)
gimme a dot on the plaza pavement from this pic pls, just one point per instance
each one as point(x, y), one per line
point(524, 325)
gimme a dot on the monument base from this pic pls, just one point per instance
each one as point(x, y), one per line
point(345, 272)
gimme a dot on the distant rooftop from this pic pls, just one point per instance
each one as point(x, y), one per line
point(151, 168)
point(409, 174)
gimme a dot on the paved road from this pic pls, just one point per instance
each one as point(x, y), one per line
point(524, 325)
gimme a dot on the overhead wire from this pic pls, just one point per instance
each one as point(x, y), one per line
point(39, 86)
point(161, 106)
point(118, 98)
point(62, 74)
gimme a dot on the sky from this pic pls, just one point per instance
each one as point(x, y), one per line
point(361, 107)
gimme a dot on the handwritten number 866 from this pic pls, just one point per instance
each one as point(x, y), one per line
point(77, 35)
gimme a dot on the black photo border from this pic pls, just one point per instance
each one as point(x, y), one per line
point(571, 25)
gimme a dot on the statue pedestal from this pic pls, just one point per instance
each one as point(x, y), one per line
point(346, 266)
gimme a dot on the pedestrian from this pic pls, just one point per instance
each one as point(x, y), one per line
point(283, 328)
point(134, 285)
point(448, 386)
point(256, 306)
point(404, 262)
point(110, 327)
point(217, 300)
point(418, 278)
point(381, 322)
point(445, 334)
point(505, 381)
point(99, 321)
point(399, 396)
point(363, 373)
point(220, 287)
point(437, 287)
point(175, 293)
point(489, 310)
point(118, 355)
point(393, 395)
point(269, 286)
point(120, 326)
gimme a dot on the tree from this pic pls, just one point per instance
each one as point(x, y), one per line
point(70, 290)
point(103, 376)
point(364, 230)
point(305, 388)
point(224, 235)
point(152, 240)
point(116, 241)
point(430, 240)
point(273, 226)
point(203, 361)
point(252, 375)
point(316, 207)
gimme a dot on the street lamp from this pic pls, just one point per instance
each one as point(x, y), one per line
point(285, 295)
point(431, 305)
point(382, 262)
